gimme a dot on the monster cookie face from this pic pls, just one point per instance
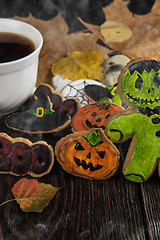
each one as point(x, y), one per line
point(140, 84)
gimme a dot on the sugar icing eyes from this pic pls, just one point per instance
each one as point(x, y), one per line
point(155, 120)
point(79, 147)
point(156, 80)
point(139, 83)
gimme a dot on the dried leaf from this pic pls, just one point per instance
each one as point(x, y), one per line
point(80, 65)
point(33, 196)
point(57, 42)
point(115, 32)
point(109, 31)
point(93, 28)
point(145, 40)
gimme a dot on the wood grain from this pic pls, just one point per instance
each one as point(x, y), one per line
point(151, 201)
point(82, 209)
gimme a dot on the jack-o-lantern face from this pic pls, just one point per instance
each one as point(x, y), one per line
point(93, 115)
point(88, 154)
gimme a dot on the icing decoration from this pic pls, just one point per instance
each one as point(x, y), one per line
point(139, 87)
point(96, 93)
point(94, 115)
point(89, 154)
point(46, 112)
point(56, 99)
point(19, 156)
point(75, 90)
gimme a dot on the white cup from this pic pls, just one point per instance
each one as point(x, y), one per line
point(18, 78)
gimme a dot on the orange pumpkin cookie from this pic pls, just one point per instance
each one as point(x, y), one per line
point(94, 115)
point(89, 154)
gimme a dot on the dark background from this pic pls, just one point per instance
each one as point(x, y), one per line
point(88, 10)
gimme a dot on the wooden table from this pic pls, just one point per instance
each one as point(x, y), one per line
point(84, 210)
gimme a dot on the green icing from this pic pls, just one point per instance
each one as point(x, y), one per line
point(94, 137)
point(110, 88)
point(105, 101)
point(146, 149)
point(115, 96)
point(117, 100)
point(148, 95)
point(33, 111)
point(142, 90)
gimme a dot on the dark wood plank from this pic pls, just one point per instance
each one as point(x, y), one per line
point(82, 209)
point(151, 202)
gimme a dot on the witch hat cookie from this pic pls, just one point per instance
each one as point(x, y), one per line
point(47, 112)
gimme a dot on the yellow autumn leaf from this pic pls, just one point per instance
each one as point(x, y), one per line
point(115, 32)
point(80, 65)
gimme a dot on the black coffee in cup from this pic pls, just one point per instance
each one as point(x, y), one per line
point(14, 46)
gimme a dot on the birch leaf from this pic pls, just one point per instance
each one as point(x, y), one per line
point(33, 196)
point(115, 32)
point(145, 40)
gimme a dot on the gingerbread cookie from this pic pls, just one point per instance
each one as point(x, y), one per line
point(139, 87)
point(46, 112)
point(19, 156)
point(89, 154)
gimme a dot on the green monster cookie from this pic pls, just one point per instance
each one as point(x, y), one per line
point(139, 87)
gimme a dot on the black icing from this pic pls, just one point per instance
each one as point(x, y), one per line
point(121, 134)
point(138, 175)
point(147, 65)
point(97, 92)
point(157, 134)
point(156, 81)
point(139, 83)
point(87, 166)
point(149, 112)
point(142, 100)
point(155, 120)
